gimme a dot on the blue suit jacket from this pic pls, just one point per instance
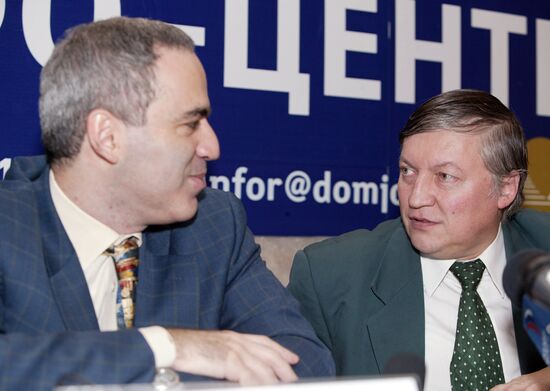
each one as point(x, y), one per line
point(202, 274)
point(363, 293)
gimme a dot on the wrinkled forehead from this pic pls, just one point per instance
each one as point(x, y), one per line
point(476, 131)
point(440, 147)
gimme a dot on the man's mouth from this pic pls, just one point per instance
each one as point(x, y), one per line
point(421, 222)
point(199, 180)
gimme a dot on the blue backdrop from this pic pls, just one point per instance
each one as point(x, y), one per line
point(308, 96)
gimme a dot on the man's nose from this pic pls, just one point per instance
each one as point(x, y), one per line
point(422, 192)
point(208, 147)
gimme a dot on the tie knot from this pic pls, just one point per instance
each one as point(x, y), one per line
point(126, 249)
point(468, 273)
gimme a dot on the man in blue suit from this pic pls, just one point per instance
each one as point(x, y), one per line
point(372, 295)
point(123, 109)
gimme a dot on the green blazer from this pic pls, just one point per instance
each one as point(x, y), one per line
point(363, 293)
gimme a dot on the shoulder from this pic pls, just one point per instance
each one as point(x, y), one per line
point(19, 212)
point(27, 168)
point(532, 217)
point(210, 198)
point(354, 242)
point(531, 225)
point(339, 272)
point(15, 195)
point(353, 254)
point(17, 186)
point(219, 205)
point(220, 219)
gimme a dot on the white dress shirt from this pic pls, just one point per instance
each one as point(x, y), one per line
point(441, 299)
point(90, 238)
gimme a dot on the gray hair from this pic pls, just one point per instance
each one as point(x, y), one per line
point(503, 149)
point(108, 64)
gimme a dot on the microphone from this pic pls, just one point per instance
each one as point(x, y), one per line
point(407, 364)
point(526, 281)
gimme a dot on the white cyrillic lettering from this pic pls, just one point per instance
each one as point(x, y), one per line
point(105, 9)
point(36, 28)
point(36, 24)
point(543, 67)
point(500, 25)
point(260, 187)
point(338, 41)
point(271, 184)
point(408, 49)
point(197, 34)
point(287, 76)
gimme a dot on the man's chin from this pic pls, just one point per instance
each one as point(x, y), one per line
point(426, 247)
point(180, 215)
point(437, 253)
point(187, 214)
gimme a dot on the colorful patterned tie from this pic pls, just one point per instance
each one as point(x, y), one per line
point(125, 256)
point(476, 363)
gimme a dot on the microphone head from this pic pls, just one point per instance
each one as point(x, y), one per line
point(407, 364)
point(519, 272)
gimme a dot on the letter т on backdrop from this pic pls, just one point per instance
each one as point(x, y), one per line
point(309, 96)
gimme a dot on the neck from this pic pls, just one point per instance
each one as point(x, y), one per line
point(79, 183)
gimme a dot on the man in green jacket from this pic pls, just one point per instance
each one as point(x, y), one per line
point(372, 295)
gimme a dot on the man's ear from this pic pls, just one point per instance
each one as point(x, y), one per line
point(508, 189)
point(103, 130)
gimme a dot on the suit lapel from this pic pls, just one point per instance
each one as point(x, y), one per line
point(67, 280)
point(398, 326)
point(168, 288)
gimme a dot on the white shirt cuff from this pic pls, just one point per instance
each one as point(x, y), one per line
point(161, 343)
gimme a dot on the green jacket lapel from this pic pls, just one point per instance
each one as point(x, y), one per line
point(398, 326)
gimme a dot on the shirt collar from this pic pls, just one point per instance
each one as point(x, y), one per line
point(494, 258)
point(89, 237)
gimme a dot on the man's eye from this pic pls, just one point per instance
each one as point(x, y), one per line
point(446, 177)
point(194, 125)
point(405, 171)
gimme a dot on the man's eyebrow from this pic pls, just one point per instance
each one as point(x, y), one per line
point(446, 164)
point(403, 160)
point(437, 166)
point(200, 112)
